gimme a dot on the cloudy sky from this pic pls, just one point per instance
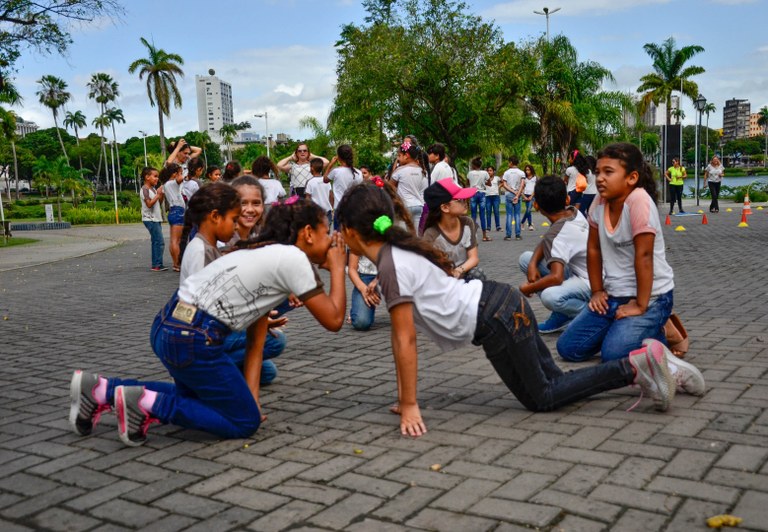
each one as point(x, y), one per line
point(279, 55)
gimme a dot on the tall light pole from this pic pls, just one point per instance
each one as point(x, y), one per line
point(144, 134)
point(700, 103)
point(546, 12)
point(265, 116)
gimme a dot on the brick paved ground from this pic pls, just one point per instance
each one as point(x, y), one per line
point(330, 456)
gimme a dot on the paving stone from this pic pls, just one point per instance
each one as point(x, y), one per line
point(40, 502)
point(61, 519)
point(28, 485)
point(751, 508)
point(226, 520)
point(465, 495)
point(571, 523)
point(368, 524)
point(406, 503)
point(633, 520)
point(286, 516)
point(584, 506)
point(191, 505)
point(431, 519)
point(537, 515)
point(155, 490)
point(581, 479)
point(101, 495)
point(743, 457)
point(692, 465)
point(643, 500)
point(253, 499)
point(372, 486)
point(127, 513)
point(346, 511)
point(170, 523)
point(693, 514)
point(220, 482)
point(309, 491)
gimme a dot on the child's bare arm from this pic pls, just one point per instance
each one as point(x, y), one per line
point(644, 276)
point(555, 277)
point(599, 301)
point(406, 364)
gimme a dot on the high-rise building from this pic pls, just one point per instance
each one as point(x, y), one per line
point(755, 129)
point(214, 104)
point(735, 119)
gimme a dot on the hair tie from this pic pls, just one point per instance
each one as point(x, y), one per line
point(293, 199)
point(378, 181)
point(382, 223)
point(405, 146)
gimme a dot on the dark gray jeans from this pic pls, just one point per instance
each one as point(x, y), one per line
point(507, 330)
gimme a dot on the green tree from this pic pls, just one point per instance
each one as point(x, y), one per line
point(43, 25)
point(10, 95)
point(440, 73)
point(161, 69)
point(76, 121)
point(670, 73)
point(43, 175)
point(762, 120)
point(708, 109)
point(54, 95)
point(103, 89)
point(228, 133)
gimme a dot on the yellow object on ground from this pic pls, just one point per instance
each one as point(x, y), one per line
point(680, 228)
point(719, 521)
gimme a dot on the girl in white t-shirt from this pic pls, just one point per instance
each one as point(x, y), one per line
point(419, 291)
point(235, 292)
point(631, 281)
point(410, 180)
point(344, 176)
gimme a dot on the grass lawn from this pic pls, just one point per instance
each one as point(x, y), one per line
point(8, 242)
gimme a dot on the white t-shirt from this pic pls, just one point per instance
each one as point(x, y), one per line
point(457, 250)
point(441, 170)
point(197, 255)
point(443, 307)
point(320, 192)
point(189, 187)
point(477, 179)
point(244, 285)
point(273, 190)
point(513, 179)
point(153, 213)
point(411, 183)
point(300, 175)
point(173, 193)
point(571, 173)
point(618, 250)
point(343, 178)
point(566, 242)
point(714, 173)
point(591, 183)
point(493, 188)
point(530, 185)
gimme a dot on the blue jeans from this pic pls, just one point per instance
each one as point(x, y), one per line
point(492, 204)
point(176, 216)
point(361, 314)
point(209, 392)
point(586, 202)
point(513, 209)
point(158, 244)
point(478, 202)
point(569, 298)
point(590, 332)
point(528, 213)
point(507, 330)
point(274, 345)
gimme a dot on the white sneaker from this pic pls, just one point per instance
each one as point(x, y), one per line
point(652, 373)
point(687, 377)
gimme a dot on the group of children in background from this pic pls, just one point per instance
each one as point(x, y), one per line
point(603, 276)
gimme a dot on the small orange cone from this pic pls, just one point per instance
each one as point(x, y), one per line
point(747, 209)
point(704, 220)
point(743, 220)
point(668, 221)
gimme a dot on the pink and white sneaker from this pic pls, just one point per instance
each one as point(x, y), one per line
point(652, 373)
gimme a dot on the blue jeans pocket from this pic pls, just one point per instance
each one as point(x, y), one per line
point(515, 315)
point(176, 348)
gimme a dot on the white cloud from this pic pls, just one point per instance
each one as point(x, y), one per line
point(524, 9)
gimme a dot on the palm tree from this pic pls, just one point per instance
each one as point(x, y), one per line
point(669, 74)
point(76, 121)
point(228, 133)
point(116, 115)
point(161, 69)
point(762, 120)
point(102, 121)
point(53, 94)
point(10, 95)
point(104, 89)
point(708, 109)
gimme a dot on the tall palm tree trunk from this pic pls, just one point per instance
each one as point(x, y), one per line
point(61, 142)
point(162, 131)
point(15, 167)
point(117, 149)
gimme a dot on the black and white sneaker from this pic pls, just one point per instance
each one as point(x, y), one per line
point(133, 421)
point(84, 410)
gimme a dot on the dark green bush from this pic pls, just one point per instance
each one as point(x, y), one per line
point(88, 215)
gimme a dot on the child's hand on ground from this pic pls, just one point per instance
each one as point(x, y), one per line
point(629, 309)
point(599, 302)
point(411, 423)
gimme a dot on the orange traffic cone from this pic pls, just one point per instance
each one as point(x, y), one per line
point(668, 221)
point(746, 209)
point(704, 220)
point(743, 220)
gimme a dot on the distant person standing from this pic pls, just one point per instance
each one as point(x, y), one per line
point(512, 182)
point(477, 179)
point(296, 166)
point(492, 198)
point(440, 167)
point(713, 174)
point(675, 176)
point(152, 217)
point(181, 153)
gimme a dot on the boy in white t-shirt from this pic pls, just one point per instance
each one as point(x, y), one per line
point(557, 268)
point(319, 191)
point(512, 182)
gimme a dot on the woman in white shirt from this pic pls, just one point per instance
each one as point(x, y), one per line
point(410, 179)
point(713, 174)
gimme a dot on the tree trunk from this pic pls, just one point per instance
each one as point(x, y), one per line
point(162, 132)
point(58, 201)
point(58, 134)
point(117, 149)
point(106, 159)
point(15, 167)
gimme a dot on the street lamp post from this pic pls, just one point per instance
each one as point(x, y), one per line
point(546, 12)
point(144, 134)
point(265, 116)
point(700, 103)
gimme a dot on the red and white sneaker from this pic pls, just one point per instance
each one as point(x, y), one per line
point(84, 410)
point(133, 421)
point(687, 377)
point(652, 373)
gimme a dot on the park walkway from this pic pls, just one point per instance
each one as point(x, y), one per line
point(330, 456)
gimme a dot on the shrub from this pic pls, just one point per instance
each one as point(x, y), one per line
point(89, 215)
point(757, 192)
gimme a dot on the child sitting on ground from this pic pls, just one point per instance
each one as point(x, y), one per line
point(450, 230)
point(557, 268)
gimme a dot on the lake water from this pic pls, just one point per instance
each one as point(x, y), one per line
point(729, 181)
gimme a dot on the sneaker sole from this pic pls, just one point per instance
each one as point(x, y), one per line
point(667, 395)
point(688, 366)
point(74, 401)
point(122, 419)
